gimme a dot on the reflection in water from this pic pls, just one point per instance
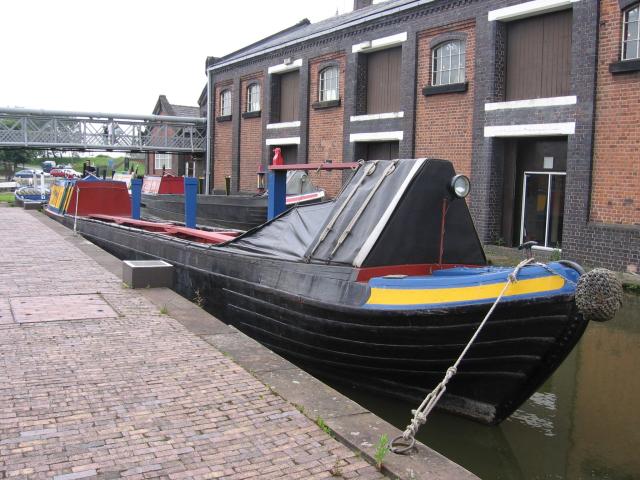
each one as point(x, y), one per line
point(583, 423)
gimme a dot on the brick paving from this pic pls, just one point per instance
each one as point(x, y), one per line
point(96, 383)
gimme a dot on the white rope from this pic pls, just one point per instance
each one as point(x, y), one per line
point(406, 441)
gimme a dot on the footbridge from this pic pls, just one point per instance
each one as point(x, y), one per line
point(62, 130)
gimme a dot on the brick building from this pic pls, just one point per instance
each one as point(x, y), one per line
point(175, 163)
point(537, 101)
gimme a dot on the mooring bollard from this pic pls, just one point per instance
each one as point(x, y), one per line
point(136, 198)
point(190, 201)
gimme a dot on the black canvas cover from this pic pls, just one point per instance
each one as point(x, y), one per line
point(413, 233)
point(359, 209)
point(287, 236)
point(390, 213)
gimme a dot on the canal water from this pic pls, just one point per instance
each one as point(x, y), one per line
point(584, 423)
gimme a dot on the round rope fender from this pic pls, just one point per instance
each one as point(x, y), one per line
point(599, 295)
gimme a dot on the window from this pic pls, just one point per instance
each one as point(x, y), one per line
point(225, 103)
point(631, 34)
point(253, 98)
point(163, 160)
point(329, 79)
point(448, 63)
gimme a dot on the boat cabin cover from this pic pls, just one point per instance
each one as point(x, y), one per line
point(392, 212)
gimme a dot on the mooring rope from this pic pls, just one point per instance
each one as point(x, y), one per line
point(405, 442)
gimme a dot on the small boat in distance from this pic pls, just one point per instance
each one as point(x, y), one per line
point(381, 287)
point(32, 194)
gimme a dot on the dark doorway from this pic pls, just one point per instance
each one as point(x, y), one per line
point(289, 154)
point(533, 194)
point(377, 150)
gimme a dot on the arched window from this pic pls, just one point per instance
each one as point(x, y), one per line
point(329, 84)
point(253, 97)
point(225, 103)
point(448, 63)
point(631, 33)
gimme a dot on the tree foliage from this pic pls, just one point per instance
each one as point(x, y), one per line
point(18, 156)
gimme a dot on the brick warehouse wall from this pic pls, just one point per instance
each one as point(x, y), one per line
point(444, 122)
point(583, 240)
point(250, 137)
point(326, 124)
point(222, 141)
point(611, 246)
point(616, 157)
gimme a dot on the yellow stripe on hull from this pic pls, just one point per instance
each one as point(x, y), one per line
point(397, 296)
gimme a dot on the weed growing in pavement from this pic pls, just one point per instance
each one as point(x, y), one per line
point(198, 299)
point(381, 450)
point(164, 310)
point(336, 470)
point(323, 426)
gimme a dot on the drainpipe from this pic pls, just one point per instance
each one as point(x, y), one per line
point(209, 161)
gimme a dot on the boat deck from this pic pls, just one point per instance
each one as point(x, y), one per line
point(97, 382)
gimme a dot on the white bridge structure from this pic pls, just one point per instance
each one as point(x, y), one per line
point(62, 130)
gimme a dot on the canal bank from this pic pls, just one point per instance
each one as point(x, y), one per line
point(104, 381)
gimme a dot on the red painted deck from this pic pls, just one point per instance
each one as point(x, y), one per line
point(170, 229)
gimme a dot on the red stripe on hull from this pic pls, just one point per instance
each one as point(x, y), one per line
point(364, 274)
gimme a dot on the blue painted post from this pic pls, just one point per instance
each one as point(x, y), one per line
point(277, 193)
point(190, 201)
point(136, 197)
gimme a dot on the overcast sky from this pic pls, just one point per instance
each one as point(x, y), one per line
point(119, 55)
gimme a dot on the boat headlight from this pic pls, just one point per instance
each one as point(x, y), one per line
point(460, 186)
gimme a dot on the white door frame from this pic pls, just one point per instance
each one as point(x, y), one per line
point(524, 190)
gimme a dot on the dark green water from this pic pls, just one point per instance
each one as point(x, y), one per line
point(584, 423)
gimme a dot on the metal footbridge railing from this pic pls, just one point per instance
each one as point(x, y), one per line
point(51, 129)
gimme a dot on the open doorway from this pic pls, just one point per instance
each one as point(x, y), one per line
point(534, 191)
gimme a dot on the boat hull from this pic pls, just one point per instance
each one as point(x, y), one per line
point(399, 353)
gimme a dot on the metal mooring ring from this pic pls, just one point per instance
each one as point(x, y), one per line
point(400, 446)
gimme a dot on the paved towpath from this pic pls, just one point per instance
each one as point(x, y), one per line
point(96, 383)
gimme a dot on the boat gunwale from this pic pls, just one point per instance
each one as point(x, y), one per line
point(344, 308)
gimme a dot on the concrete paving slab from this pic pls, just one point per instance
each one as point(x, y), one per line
point(365, 430)
point(60, 307)
point(317, 398)
point(191, 316)
point(247, 352)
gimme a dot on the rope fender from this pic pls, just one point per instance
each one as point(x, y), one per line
point(599, 295)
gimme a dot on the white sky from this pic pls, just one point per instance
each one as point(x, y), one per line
point(119, 55)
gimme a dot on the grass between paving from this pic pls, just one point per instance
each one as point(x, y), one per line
point(7, 197)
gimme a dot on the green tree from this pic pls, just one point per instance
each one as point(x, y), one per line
point(11, 159)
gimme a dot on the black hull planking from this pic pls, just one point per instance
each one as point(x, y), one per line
point(400, 354)
point(234, 211)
